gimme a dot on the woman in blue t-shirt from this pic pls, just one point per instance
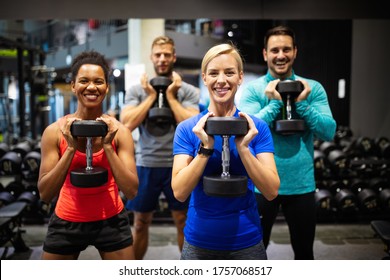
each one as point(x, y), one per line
point(223, 227)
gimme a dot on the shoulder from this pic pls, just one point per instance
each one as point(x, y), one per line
point(188, 87)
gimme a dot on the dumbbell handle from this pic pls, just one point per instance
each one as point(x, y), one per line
point(160, 99)
point(225, 156)
point(288, 107)
point(88, 153)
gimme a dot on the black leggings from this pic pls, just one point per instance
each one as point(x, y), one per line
point(300, 214)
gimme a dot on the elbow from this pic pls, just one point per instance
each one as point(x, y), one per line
point(179, 195)
point(45, 197)
point(132, 192)
point(273, 191)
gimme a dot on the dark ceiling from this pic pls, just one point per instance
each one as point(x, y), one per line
point(191, 9)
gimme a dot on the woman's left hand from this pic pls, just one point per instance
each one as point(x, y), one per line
point(112, 128)
point(244, 140)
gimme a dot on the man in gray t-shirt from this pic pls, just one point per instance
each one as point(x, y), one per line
point(154, 149)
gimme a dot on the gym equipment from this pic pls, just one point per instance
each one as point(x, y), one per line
point(346, 201)
point(225, 185)
point(321, 166)
point(10, 227)
point(30, 166)
point(367, 201)
point(339, 162)
point(324, 201)
point(384, 200)
point(4, 148)
point(10, 164)
point(89, 176)
point(382, 229)
point(22, 148)
point(160, 110)
point(160, 116)
point(289, 90)
point(383, 146)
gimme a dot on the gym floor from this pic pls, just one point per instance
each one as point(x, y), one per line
point(334, 241)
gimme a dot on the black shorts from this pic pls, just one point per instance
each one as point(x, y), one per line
point(68, 238)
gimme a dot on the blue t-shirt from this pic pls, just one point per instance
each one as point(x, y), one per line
point(222, 223)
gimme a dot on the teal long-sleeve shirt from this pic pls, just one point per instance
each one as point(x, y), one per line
point(293, 153)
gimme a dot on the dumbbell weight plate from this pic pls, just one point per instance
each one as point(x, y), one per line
point(10, 164)
point(368, 200)
point(160, 82)
point(84, 178)
point(287, 127)
point(384, 198)
point(232, 186)
point(324, 200)
point(88, 128)
point(30, 166)
point(346, 201)
point(163, 113)
point(291, 87)
point(226, 126)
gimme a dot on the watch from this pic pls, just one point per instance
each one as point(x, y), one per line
point(204, 151)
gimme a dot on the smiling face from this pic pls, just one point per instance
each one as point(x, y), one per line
point(90, 85)
point(163, 58)
point(280, 55)
point(222, 78)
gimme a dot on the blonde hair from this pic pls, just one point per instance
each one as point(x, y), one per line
point(219, 50)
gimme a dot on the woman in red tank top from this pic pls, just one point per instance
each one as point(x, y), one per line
point(88, 214)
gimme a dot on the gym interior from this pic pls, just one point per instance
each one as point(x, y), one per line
point(343, 46)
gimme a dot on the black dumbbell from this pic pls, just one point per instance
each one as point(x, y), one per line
point(346, 201)
point(10, 163)
point(30, 166)
point(384, 199)
point(225, 185)
point(289, 90)
point(367, 200)
point(22, 148)
point(4, 148)
point(383, 147)
point(160, 110)
point(324, 201)
point(89, 176)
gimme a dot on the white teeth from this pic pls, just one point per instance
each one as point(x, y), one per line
point(91, 96)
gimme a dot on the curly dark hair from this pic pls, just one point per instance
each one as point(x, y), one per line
point(89, 57)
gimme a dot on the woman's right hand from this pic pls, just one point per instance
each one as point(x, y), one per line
point(65, 125)
point(207, 140)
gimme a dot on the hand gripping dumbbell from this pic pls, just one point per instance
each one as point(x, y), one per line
point(289, 90)
point(225, 185)
point(89, 176)
point(160, 109)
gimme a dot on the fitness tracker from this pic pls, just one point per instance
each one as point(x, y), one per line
point(204, 151)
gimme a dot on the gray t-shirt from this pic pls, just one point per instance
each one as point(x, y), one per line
point(154, 147)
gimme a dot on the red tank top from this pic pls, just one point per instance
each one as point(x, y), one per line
point(77, 204)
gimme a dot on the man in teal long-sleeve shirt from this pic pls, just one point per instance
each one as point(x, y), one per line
point(293, 153)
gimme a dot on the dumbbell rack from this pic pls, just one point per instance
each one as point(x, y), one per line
point(353, 178)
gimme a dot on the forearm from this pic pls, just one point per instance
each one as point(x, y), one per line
point(50, 183)
point(264, 177)
point(132, 117)
point(125, 178)
point(186, 179)
point(180, 113)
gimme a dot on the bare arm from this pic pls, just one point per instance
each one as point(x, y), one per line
point(53, 168)
point(133, 116)
point(187, 170)
point(262, 168)
point(122, 162)
point(180, 113)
